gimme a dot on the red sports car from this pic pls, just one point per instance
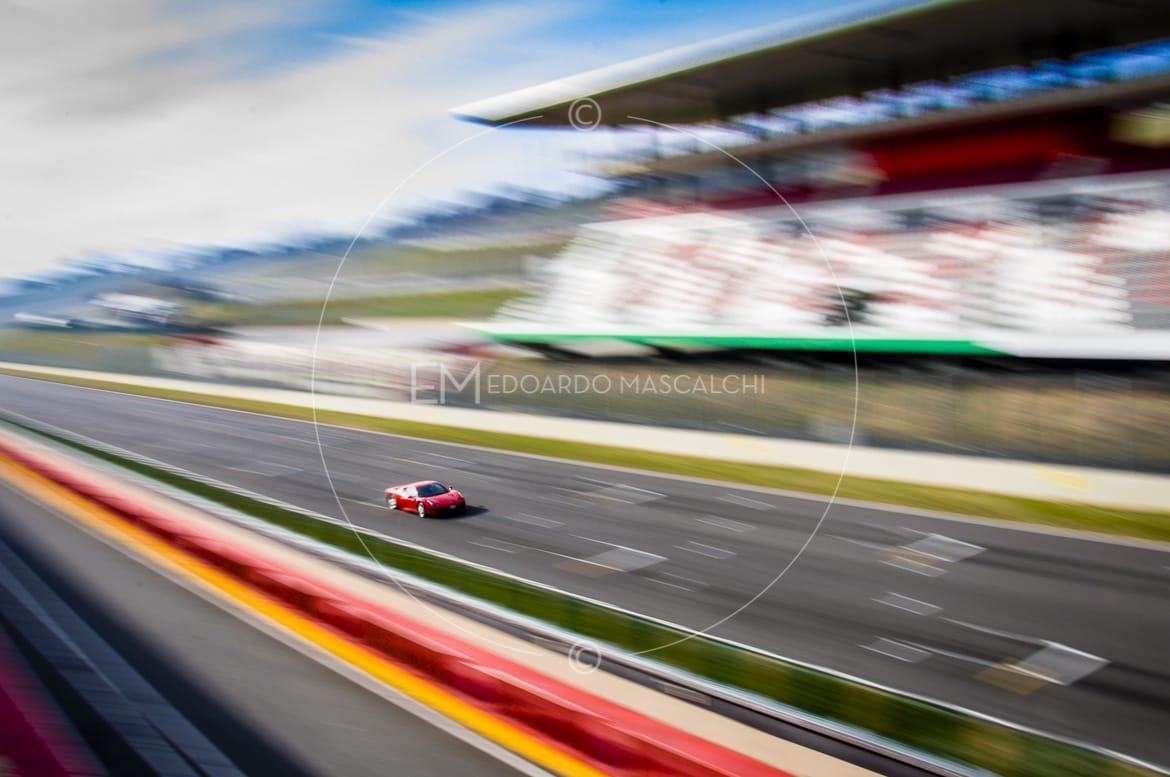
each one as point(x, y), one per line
point(425, 497)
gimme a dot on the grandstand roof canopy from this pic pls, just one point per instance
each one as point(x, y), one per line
point(848, 51)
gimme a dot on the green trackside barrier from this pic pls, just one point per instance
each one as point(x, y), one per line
point(927, 727)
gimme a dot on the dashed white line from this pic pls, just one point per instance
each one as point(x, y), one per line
point(413, 462)
point(900, 602)
point(1056, 662)
point(702, 549)
point(953, 654)
point(165, 447)
point(494, 544)
point(695, 585)
point(625, 494)
point(363, 502)
point(465, 474)
point(899, 650)
point(917, 567)
point(353, 481)
point(567, 557)
point(945, 548)
point(863, 543)
point(448, 458)
point(626, 559)
point(743, 501)
point(534, 520)
point(726, 523)
point(1062, 664)
point(562, 501)
point(1026, 639)
point(622, 557)
point(266, 469)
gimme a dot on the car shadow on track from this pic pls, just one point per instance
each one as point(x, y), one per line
point(470, 512)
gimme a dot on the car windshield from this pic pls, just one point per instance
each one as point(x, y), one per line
point(432, 489)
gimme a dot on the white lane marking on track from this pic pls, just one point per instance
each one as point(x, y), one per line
point(622, 557)
point(611, 544)
point(254, 432)
point(1026, 639)
point(162, 446)
point(726, 523)
point(1062, 664)
point(567, 557)
point(630, 495)
point(695, 585)
point(626, 559)
point(900, 602)
point(854, 541)
point(561, 501)
point(918, 567)
point(899, 650)
point(534, 520)
point(945, 548)
point(1054, 661)
point(455, 459)
point(266, 469)
point(702, 549)
point(413, 463)
point(743, 501)
point(567, 496)
point(353, 480)
point(379, 505)
point(957, 656)
point(464, 474)
point(494, 544)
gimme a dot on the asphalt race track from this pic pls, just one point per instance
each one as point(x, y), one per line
point(926, 604)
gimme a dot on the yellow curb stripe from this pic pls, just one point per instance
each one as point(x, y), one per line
point(118, 529)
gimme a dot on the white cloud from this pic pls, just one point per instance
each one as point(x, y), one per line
point(114, 138)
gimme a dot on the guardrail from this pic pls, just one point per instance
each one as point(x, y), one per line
point(918, 723)
point(600, 733)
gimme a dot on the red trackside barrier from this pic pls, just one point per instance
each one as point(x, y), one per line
point(473, 683)
point(612, 738)
point(339, 616)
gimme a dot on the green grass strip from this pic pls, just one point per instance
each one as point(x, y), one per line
point(927, 727)
point(473, 303)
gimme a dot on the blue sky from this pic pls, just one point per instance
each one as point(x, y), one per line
point(142, 125)
point(598, 30)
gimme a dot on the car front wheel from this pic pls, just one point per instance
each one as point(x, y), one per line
point(392, 502)
point(422, 510)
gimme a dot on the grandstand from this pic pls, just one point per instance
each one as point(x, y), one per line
point(972, 177)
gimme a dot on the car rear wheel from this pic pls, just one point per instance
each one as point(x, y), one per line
point(392, 502)
point(422, 510)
